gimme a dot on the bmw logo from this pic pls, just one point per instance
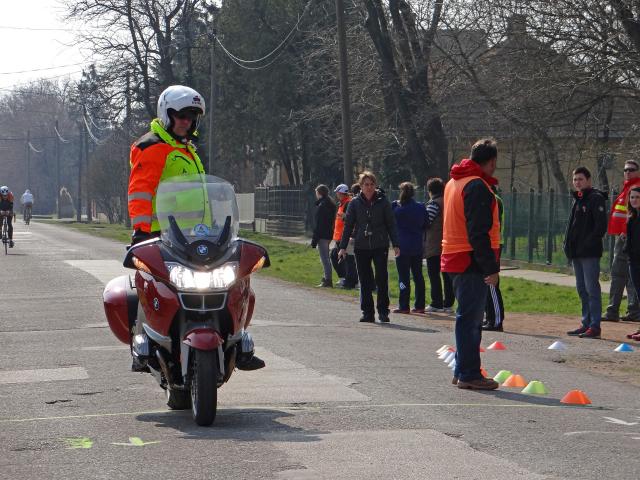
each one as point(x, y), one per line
point(203, 250)
point(156, 304)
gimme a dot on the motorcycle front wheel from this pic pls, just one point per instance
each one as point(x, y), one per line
point(204, 390)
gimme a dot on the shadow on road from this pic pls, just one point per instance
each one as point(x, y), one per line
point(395, 326)
point(236, 424)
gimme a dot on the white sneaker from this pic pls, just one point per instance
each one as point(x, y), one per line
point(431, 309)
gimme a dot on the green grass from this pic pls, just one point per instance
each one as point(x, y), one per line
point(300, 264)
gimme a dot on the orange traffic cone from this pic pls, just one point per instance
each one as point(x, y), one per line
point(496, 346)
point(484, 372)
point(482, 350)
point(576, 397)
point(515, 381)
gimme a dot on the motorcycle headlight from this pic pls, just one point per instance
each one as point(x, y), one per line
point(187, 279)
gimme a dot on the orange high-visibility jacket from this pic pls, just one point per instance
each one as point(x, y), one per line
point(338, 226)
point(455, 238)
point(155, 157)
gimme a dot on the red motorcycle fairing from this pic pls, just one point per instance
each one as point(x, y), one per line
point(202, 338)
point(151, 257)
point(158, 301)
point(237, 303)
point(117, 298)
point(250, 255)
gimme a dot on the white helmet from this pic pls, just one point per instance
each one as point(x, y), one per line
point(179, 97)
point(4, 190)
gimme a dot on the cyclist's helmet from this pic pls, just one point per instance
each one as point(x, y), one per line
point(4, 191)
point(177, 98)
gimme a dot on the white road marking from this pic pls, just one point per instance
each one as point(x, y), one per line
point(103, 270)
point(617, 421)
point(96, 325)
point(43, 375)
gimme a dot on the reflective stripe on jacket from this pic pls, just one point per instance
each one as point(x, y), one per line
point(455, 237)
point(155, 157)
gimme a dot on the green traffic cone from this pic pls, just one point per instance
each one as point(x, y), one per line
point(502, 375)
point(536, 388)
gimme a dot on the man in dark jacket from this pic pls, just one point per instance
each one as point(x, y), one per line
point(470, 249)
point(583, 246)
point(323, 231)
point(371, 222)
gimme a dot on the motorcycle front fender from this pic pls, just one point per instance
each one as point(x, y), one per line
point(203, 339)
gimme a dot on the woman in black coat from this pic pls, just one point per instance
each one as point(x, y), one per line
point(323, 231)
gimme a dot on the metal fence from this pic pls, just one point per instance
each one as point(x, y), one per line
point(533, 231)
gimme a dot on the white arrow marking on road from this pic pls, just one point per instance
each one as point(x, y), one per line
point(617, 421)
point(135, 442)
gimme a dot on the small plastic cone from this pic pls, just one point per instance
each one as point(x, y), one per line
point(624, 347)
point(452, 362)
point(482, 350)
point(515, 381)
point(535, 387)
point(452, 366)
point(557, 346)
point(442, 349)
point(484, 372)
point(502, 375)
point(496, 346)
point(443, 354)
point(449, 357)
point(576, 397)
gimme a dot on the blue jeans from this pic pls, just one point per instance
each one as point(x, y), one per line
point(588, 285)
point(410, 265)
point(471, 294)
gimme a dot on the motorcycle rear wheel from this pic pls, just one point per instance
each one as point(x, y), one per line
point(204, 390)
point(178, 399)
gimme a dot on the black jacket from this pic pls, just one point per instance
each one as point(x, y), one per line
point(371, 225)
point(479, 204)
point(632, 241)
point(587, 225)
point(324, 220)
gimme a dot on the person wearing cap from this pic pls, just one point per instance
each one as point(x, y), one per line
point(323, 232)
point(346, 269)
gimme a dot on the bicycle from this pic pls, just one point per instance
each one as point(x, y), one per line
point(26, 215)
point(5, 233)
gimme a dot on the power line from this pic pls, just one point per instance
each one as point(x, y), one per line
point(237, 60)
point(34, 149)
point(42, 69)
point(63, 140)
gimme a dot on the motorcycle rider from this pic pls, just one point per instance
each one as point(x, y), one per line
point(27, 203)
point(6, 207)
point(166, 151)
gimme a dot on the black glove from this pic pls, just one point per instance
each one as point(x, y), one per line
point(139, 236)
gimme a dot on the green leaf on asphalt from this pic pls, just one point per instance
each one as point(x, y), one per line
point(74, 443)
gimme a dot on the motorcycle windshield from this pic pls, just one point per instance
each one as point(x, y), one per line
point(197, 207)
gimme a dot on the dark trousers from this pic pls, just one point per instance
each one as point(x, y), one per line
point(471, 294)
point(345, 269)
point(368, 281)
point(494, 309)
point(433, 271)
point(634, 273)
point(410, 265)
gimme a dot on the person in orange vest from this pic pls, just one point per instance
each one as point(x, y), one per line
point(470, 252)
point(620, 265)
point(346, 269)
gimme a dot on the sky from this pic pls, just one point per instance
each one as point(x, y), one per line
point(27, 46)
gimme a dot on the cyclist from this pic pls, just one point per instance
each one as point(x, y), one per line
point(6, 207)
point(27, 205)
point(164, 152)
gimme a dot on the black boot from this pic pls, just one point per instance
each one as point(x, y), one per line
point(249, 361)
point(324, 283)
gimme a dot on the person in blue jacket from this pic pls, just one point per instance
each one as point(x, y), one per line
point(411, 218)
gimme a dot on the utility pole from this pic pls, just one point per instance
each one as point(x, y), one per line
point(57, 140)
point(85, 132)
point(344, 95)
point(28, 159)
point(127, 127)
point(212, 97)
point(80, 151)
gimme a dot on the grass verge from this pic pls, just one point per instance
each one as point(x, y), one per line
point(300, 264)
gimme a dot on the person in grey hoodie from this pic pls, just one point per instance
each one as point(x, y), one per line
point(371, 222)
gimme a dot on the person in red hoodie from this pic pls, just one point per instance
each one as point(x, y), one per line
point(620, 264)
point(470, 252)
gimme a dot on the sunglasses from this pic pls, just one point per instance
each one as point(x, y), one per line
point(627, 170)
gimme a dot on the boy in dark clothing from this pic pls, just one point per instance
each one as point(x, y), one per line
point(323, 231)
point(583, 246)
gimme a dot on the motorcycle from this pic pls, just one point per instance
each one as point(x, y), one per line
point(186, 312)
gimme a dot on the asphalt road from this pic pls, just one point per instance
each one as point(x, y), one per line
point(338, 399)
